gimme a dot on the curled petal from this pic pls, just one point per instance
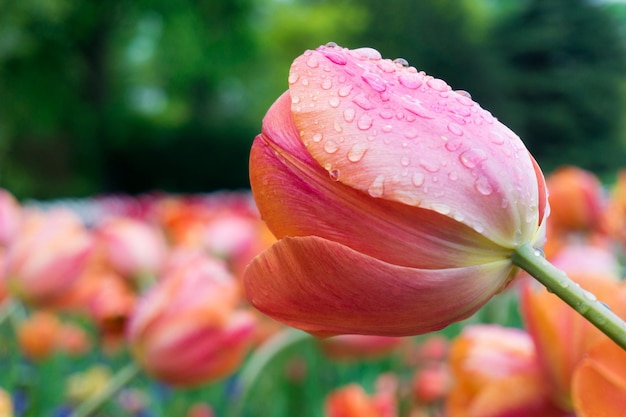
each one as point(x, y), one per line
point(403, 136)
point(599, 383)
point(283, 176)
point(326, 288)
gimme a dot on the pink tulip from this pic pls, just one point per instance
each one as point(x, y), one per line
point(397, 201)
point(186, 329)
point(48, 257)
point(134, 248)
point(10, 214)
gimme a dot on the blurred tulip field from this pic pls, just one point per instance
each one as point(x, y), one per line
point(239, 208)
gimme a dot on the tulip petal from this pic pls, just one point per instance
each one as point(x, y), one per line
point(599, 383)
point(326, 288)
point(297, 198)
point(403, 136)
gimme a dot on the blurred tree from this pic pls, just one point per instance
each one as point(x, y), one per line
point(563, 92)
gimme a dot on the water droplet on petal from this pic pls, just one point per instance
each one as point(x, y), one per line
point(453, 143)
point(463, 93)
point(410, 134)
point(348, 114)
point(405, 161)
point(410, 80)
point(430, 165)
point(386, 114)
point(334, 174)
point(305, 81)
point(387, 128)
point(453, 176)
point(344, 90)
point(293, 77)
point(355, 154)
point(295, 99)
point(416, 107)
point(334, 57)
point(418, 179)
point(364, 122)
point(402, 62)
point(366, 53)
point(483, 186)
point(374, 81)
point(327, 84)
point(472, 157)
point(338, 127)
point(438, 84)
point(331, 45)
point(496, 137)
point(334, 102)
point(317, 137)
point(440, 208)
point(376, 188)
point(455, 129)
point(312, 62)
point(331, 146)
point(363, 102)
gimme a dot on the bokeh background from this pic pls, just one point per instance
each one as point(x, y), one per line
point(133, 96)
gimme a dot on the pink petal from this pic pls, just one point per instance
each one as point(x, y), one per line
point(297, 198)
point(403, 136)
point(326, 288)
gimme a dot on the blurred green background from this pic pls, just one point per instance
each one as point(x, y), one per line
point(135, 96)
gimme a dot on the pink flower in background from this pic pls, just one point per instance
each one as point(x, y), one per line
point(186, 330)
point(48, 256)
point(134, 248)
point(397, 201)
point(10, 214)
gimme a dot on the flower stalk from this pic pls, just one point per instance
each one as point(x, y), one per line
point(585, 303)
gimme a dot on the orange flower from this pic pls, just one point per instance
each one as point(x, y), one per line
point(186, 329)
point(599, 382)
point(37, 336)
point(615, 216)
point(497, 374)
point(353, 401)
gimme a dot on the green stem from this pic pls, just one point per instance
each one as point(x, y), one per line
point(581, 300)
point(118, 382)
point(260, 360)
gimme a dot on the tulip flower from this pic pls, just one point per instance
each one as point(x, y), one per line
point(10, 213)
point(397, 201)
point(497, 374)
point(135, 249)
point(48, 257)
point(186, 329)
point(352, 401)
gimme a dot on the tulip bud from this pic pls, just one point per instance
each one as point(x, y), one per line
point(397, 201)
point(48, 257)
point(185, 330)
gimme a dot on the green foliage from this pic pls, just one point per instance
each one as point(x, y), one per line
point(133, 96)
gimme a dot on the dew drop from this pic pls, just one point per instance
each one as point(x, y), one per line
point(334, 174)
point(364, 122)
point(374, 81)
point(402, 62)
point(472, 157)
point(453, 176)
point(363, 102)
point(386, 65)
point(438, 84)
point(386, 114)
point(430, 165)
point(295, 99)
point(337, 127)
point(376, 188)
point(334, 102)
point(334, 57)
point(405, 161)
point(455, 129)
point(305, 81)
point(462, 111)
point(452, 144)
point(317, 137)
point(293, 77)
point(410, 134)
point(464, 94)
point(387, 128)
point(327, 84)
point(418, 179)
point(331, 146)
point(366, 53)
point(312, 62)
point(344, 90)
point(496, 137)
point(348, 114)
point(331, 45)
point(416, 107)
point(355, 154)
point(483, 186)
point(410, 80)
